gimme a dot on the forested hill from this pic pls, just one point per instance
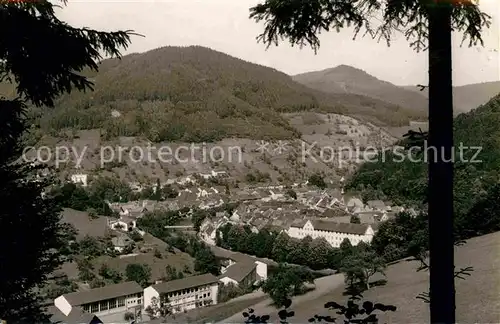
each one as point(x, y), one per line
point(406, 182)
point(348, 79)
point(198, 94)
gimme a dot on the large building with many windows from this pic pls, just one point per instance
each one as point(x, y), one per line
point(184, 294)
point(334, 233)
point(106, 300)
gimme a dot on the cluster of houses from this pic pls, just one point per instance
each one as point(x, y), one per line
point(326, 214)
point(321, 213)
point(308, 212)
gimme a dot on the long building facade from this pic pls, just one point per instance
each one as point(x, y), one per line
point(103, 301)
point(184, 294)
point(334, 233)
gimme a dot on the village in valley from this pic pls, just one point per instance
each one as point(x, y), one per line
point(300, 210)
point(192, 162)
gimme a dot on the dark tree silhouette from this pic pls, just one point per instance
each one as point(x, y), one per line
point(420, 21)
point(43, 58)
point(353, 312)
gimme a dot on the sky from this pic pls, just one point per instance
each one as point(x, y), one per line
point(224, 25)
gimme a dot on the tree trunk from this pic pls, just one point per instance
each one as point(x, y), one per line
point(440, 146)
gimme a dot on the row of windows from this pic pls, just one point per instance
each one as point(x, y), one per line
point(330, 237)
point(182, 300)
point(186, 291)
point(108, 304)
point(328, 232)
point(197, 303)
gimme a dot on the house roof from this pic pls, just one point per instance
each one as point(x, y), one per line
point(376, 203)
point(103, 293)
point(121, 240)
point(239, 270)
point(323, 203)
point(335, 212)
point(77, 315)
point(391, 215)
point(209, 229)
point(355, 202)
point(335, 193)
point(245, 196)
point(314, 200)
point(342, 219)
point(126, 219)
point(369, 217)
point(237, 256)
point(185, 283)
point(299, 223)
point(329, 226)
point(220, 252)
point(240, 257)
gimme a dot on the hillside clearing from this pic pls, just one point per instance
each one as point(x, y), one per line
point(477, 301)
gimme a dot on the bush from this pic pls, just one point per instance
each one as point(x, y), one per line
point(317, 180)
point(129, 316)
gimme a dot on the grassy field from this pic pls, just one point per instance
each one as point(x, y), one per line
point(478, 297)
point(216, 313)
point(477, 301)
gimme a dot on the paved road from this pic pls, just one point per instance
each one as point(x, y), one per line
point(323, 286)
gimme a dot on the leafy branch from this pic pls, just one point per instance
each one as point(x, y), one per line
point(352, 312)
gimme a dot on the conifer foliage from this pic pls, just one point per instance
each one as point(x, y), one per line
point(42, 57)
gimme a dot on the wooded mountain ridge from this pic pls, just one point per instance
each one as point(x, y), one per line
point(350, 80)
point(198, 94)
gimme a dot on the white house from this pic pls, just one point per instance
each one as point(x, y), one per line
point(376, 205)
point(333, 232)
point(228, 259)
point(123, 223)
point(214, 174)
point(208, 233)
point(184, 294)
point(118, 298)
point(202, 193)
point(212, 203)
point(80, 178)
point(355, 202)
point(77, 315)
point(240, 274)
point(121, 242)
point(208, 228)
point(185, 180)
point(275, 195)
point(124, 211)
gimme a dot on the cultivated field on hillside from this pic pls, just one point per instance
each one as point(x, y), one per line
point(284, 161)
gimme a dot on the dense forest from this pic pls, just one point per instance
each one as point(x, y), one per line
point(197, 94)
point(476, 177)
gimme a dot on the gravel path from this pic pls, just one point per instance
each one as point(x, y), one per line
point(323, 286)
